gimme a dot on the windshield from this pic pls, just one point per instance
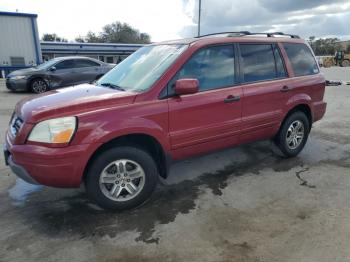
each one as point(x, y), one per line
point(142, 69)
point(47, 64)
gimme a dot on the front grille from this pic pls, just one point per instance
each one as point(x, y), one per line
point(15, 126)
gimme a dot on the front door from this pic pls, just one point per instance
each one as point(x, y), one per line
point(62, 74)
point(211, 118)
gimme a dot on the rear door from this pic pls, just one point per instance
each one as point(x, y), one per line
point(211, 118)
point(86, 70)
point(266, 91)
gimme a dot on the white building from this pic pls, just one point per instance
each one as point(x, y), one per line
point(106, 52)
point(20, 46)
point(19, 41)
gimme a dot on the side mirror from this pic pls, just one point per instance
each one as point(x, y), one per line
point(186, 86)
point(52, 69)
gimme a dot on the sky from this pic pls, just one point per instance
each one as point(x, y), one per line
point(171, 19)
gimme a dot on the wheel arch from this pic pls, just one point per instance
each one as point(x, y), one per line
point(305, 108)
point(34, 77)
point(141, 140)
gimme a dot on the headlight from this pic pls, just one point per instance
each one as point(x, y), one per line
point(17, 77)
point(56, 131)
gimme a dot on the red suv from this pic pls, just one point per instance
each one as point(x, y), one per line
point(166, 102)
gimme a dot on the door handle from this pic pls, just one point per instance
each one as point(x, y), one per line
point(285, 89)
point(231, 99)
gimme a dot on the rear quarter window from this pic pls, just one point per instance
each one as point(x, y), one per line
point(301, 58)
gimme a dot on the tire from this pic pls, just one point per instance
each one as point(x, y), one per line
point(288, 138)
point(114, 193)
point(345, 63)
point(38, 86)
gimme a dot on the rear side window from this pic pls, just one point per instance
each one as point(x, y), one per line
point(212, 66)
point(261, 62)
point(85, 63)
point(301, 58)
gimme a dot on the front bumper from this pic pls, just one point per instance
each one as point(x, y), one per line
point(17, 85)
point(56, 167)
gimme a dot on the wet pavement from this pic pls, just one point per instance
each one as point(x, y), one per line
point(242, 204)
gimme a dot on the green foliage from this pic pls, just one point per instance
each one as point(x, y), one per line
point(324, 46)
point(116, 33)
point(53, 38)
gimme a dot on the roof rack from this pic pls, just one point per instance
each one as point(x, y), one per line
point(245, 33)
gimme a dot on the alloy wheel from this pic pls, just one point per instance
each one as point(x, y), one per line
point(295, 134)
point(39, 86)
point(122, 180)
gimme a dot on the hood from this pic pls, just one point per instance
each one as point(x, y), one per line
point(71, 101)
point(21, 72)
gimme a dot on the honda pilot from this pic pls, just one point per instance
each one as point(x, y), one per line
point(166, 102)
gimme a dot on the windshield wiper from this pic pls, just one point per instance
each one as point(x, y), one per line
point(112, 86)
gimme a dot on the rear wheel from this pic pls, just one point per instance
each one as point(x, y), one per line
point(345, 63)
point(121, 178)
point(38, 86)
point(293, 134)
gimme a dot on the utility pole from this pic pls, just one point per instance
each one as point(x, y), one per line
point(199, 16)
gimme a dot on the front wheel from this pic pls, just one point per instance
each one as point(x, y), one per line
point(121, 178)
point(293, 134)
point(38, 86)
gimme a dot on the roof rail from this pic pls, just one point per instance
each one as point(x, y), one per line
point(238, 33)
point(245, 33)
point(272, 34)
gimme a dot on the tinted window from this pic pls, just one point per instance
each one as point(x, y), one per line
point(212, 66)
point(67, 64)
point(301, 58)
point(85, 63)
point(258, 62)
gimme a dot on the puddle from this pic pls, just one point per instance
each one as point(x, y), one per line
point(76, 216)
point(21, 191)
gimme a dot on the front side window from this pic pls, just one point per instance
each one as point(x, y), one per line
point(301, 58)
point(214, 67)
point(261, 62)
point(139, 71)
point(67, 64)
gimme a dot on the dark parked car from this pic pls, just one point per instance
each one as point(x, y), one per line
point(58, 72)
point(166, 102)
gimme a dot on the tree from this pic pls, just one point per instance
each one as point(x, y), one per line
point(53, 38)
point(116, 33)
point(89, 38)
point(80, 39)
point(324, 46)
